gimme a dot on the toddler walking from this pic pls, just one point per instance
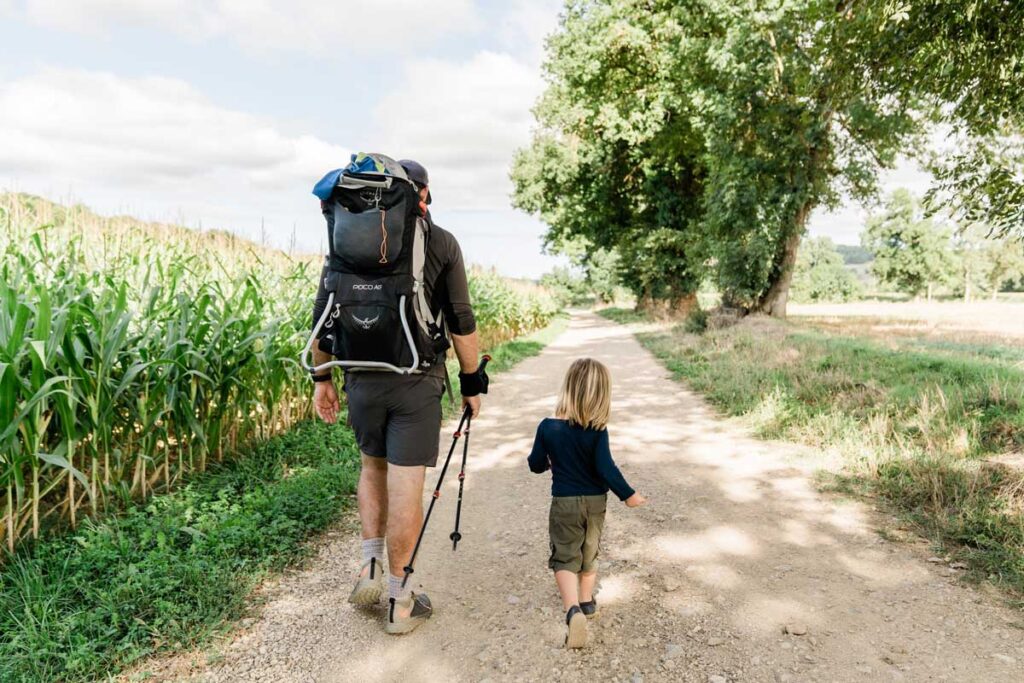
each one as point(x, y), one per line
point(574, 446)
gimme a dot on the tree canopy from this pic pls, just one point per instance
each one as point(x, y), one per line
point(820, 274)
point(694, 138)
point(912, 253)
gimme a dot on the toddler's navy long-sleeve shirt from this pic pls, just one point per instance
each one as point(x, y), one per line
point(580, 460)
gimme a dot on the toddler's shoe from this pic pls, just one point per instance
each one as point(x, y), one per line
point(589, 609)
point(576, 625)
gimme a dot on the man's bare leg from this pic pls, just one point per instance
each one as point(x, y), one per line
point(405, 517)
point(373, 497)
point(372, 494)
point(405, 514)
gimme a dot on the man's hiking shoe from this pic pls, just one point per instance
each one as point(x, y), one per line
point(416, 609)
point(576, 624)
point(589, 609)
point(370, 586)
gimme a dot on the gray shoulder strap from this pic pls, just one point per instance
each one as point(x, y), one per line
point(419, 260)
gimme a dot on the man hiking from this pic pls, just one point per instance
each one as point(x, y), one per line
point(396, 419)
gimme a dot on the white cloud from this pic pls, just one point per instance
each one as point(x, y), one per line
point(159, 143)
point(462, 121)
point(380, 28)
point(524, 25)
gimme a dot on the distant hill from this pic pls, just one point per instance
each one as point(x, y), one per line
point(854, 255)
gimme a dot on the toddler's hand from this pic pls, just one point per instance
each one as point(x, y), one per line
point(635, 501)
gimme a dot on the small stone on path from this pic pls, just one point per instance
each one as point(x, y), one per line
point(796, 629)
point(715, 641)
point(513, 600)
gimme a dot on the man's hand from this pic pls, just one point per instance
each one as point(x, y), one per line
point(325, 400)
point(473, 402)
point(635, 501)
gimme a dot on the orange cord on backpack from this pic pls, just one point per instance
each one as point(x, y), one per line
point(384, 240)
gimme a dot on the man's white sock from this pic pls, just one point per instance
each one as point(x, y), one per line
point(395, 589)
point(373, 547)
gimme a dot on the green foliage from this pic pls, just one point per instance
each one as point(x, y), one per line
point(985, 264)
point(960, 59)
point(170, 572)
point(694, 135)
point(593, 277)
point(506, 309)
point(911, 420)
point(853, 254)
point(623, 316)
point(568, 286)
point(912, 254)
point(133, 355)
point(696, 322)
point(820, 274)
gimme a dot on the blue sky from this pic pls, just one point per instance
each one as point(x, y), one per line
point(223, 113)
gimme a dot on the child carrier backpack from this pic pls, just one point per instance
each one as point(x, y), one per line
point(377, 316)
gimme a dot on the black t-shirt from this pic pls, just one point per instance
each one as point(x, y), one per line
point(444, 282)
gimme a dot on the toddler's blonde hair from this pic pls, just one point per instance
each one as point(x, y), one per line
point(586, 396)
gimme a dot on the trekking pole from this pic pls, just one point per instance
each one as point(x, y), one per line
point(455, 535)
point(437, 494)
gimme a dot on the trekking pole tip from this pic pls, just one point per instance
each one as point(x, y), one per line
point(456, 537)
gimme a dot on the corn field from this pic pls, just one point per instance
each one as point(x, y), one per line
point(132, 355)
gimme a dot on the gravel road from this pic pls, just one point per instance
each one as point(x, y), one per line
point(737, 570)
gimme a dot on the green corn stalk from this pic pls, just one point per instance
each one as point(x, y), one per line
point(130, 354)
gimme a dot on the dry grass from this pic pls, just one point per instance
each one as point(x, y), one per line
point(917, 418)
point(982, 322)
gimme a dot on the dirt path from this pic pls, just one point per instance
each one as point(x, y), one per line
point(697, 586)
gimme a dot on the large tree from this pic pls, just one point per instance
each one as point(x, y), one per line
point(698, 136)
point(912, 252)
point(821, 275)
point(965, 60)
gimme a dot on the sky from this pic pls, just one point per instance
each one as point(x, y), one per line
point(224, 113)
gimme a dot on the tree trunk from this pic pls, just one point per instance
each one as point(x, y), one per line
point(773, 302)
point(929, 292)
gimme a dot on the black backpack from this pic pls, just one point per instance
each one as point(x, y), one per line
point(377, 315)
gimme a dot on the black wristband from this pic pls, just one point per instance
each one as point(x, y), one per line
point(322, 378)
point(473, 383)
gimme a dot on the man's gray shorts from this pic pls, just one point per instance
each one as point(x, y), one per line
point(394, 416)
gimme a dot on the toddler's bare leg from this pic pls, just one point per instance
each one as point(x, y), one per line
point(567, 581)
point(587, 582)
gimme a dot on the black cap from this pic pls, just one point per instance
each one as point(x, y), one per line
point(417, 173)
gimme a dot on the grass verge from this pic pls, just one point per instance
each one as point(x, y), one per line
point(919, 425)
point(171, 572)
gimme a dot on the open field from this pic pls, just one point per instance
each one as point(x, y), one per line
point(981, 321)
point(930, 417)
